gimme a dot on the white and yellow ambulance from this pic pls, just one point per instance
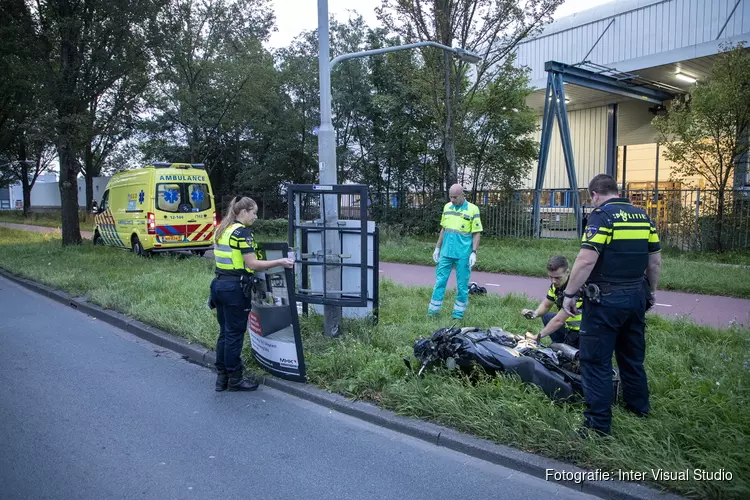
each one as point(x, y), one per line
point(159, 208)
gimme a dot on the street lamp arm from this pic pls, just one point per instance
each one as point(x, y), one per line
point(384, 50)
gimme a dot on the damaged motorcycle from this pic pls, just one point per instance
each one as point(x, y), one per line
point(554, 368)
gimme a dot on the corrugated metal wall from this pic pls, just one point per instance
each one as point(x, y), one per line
point(659, 27)
point(634, 124)
point(588, 128)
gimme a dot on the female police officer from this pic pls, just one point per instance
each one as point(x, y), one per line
point(235, 253)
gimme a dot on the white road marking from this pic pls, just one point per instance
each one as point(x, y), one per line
point(663, 305)
point(492, 284)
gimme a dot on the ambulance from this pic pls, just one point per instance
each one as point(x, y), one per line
point(162, 207)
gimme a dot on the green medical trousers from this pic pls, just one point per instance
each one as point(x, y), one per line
point(442, 273)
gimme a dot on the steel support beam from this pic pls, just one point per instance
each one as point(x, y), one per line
point(555, 108)
point(547, 123)
point(612, 118)
point(589, 79)
point(567, 147)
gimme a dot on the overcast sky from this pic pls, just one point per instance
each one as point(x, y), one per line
point(294, 16)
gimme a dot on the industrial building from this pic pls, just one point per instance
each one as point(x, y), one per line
point(618, 65)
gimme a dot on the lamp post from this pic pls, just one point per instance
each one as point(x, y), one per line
point(327, 147)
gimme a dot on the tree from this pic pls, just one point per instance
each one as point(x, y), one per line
point(35, 155)
point(500, 150)
point(110, 121)
point(212, 85)
point(707, 135)
point(491, 28)
point(25, 121)
point(88, 46)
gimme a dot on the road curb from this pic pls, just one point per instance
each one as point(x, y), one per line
point(436, 434)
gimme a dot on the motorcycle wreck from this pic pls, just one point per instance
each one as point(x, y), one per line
point(554, 368)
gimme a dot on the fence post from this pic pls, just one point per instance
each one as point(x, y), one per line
point(697, 205)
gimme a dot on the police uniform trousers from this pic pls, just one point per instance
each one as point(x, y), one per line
point(616, 324)
point(232, 308)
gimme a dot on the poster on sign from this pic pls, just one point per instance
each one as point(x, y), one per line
point(273, 324)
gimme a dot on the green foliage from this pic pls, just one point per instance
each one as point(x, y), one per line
point(490, 28)
point(277, 227)
point(705, 135)
point(215, 86)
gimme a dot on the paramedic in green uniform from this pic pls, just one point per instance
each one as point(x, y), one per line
point(456, 246)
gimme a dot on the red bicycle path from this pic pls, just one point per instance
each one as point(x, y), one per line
point(709, 310)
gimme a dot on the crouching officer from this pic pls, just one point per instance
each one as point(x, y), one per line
point(456, 246)
point(561, 327)
point(236, 260)
point(618, 246)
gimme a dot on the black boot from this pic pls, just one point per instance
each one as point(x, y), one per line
point(222, 380)
point(237, 383)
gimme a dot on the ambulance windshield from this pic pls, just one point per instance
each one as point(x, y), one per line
point(182, 197)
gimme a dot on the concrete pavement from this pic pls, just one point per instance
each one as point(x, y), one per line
point(89, 411)
point(709, 310)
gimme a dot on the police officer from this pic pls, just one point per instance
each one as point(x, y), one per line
point(561, 327)
point(618, 246)
point(456, 246)
point(236, 260)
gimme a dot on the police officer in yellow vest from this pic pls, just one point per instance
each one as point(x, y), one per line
point(561, 326)
point(456, 246)
point(236, 257)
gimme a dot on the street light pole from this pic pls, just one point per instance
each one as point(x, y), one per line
point(327, 148)
point(327, 166)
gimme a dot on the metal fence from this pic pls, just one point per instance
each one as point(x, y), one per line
point(686, 219)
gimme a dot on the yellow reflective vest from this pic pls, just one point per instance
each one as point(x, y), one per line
point(459, 224)
point(229, 248)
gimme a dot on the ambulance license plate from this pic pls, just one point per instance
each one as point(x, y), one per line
point(175, 238)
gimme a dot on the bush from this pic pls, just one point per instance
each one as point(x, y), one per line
point(271, 226)
point(410, 221)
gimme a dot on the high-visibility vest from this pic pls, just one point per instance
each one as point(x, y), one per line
point(460, 221)
point(555, 294)
point(228, 251)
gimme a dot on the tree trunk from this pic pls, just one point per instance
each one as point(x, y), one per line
point(69, 112)
point(24, 177)
point(71, 230)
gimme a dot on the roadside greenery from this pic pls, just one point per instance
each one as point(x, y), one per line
point(692, 272)
point(698, 376)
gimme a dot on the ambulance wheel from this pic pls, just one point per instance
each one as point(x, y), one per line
point(138, 247)
point(199, 253)
point(98, 239)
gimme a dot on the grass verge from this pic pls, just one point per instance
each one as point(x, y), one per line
point(699, 377)
point(708, 273)
point(691, 272)
point(46, 219)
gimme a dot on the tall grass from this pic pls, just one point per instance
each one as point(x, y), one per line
point(699, 377)
point(707, 273)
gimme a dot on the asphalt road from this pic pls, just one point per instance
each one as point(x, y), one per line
point(710, 310)
point(89, 411)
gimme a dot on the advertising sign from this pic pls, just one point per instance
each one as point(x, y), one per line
point(273, 324)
